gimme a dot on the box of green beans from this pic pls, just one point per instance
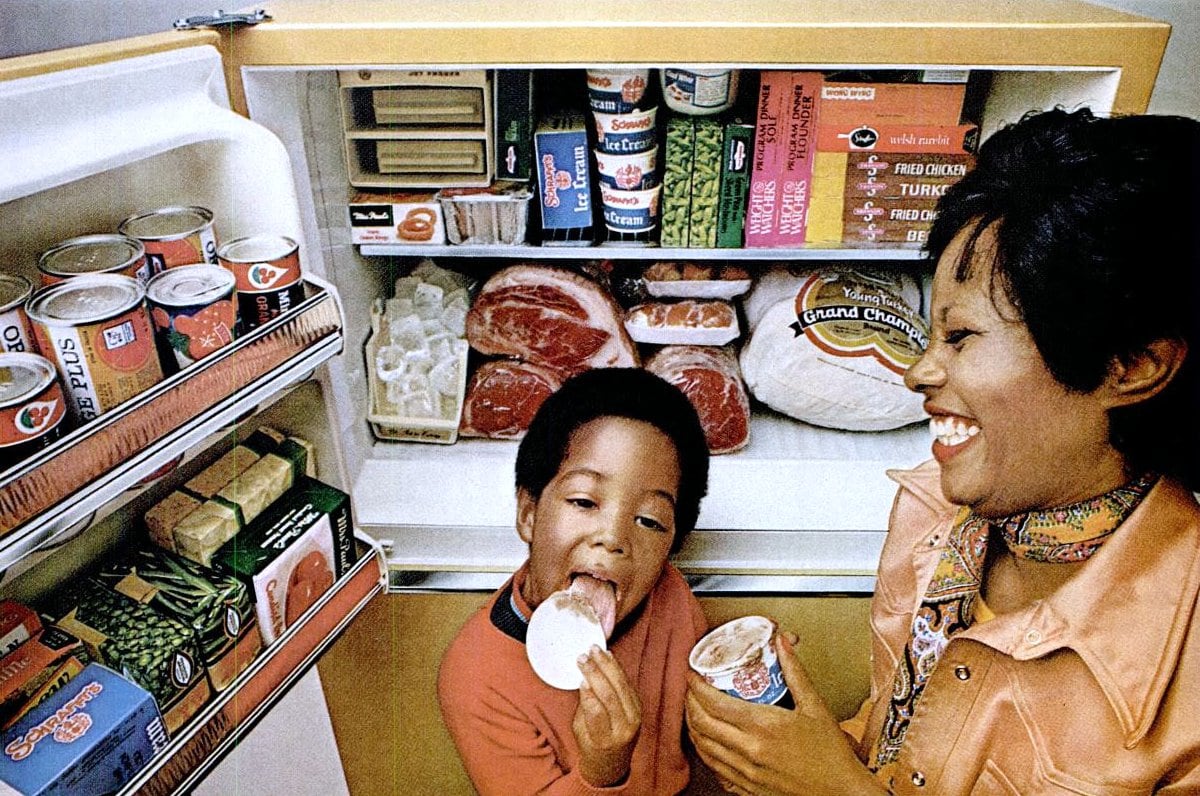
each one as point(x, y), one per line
point(155, 651)
point(215, 605)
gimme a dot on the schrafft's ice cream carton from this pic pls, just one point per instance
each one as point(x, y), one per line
point(91, 736)
point(562, 172)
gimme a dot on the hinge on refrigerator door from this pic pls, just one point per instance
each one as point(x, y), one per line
point(221, 18)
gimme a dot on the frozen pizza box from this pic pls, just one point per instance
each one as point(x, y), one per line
point(91, 736)
point(215, 605)
point(155, 651)
point(292, 553)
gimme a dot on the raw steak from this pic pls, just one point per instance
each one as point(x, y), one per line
point(710, 378)
point(502, 397)
point(549, 316)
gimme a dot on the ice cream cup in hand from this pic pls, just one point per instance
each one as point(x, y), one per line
point(739, 659)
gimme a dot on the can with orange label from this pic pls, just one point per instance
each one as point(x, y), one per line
point(174, 236)
point(267, 268)
point(31, 406)
point(98, 333)
point(95, 254)
point(15, 333)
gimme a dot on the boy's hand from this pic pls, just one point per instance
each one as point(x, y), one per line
point(607, 721)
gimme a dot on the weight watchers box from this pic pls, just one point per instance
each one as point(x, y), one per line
point(91, 736)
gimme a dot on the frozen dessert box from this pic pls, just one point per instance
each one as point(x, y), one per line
point(91, 736)
point(292, 554)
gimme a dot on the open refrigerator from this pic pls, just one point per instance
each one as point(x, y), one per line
point(247, 122)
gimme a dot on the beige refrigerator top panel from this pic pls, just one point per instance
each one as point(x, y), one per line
point(818, 33)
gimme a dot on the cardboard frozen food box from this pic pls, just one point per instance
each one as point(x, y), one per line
point(215, 605)
point(292, 553)
point(29, 666)
point(396, 218)
point(18, 624)
point(153, 650)
point(91, 736)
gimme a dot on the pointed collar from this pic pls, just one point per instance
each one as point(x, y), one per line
point(1126, 612)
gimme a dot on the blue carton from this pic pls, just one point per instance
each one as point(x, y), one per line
point(91, 736)
point(563, 171)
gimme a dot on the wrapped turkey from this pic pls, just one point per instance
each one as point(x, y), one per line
point(709, 376)
point(829, 346)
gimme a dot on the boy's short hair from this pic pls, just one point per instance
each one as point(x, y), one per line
point(631, 393)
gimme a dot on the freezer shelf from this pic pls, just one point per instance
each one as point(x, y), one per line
point(44, 496)
point(194, 751)
point(638, 252)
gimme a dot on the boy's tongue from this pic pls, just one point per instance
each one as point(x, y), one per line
point(599, 594)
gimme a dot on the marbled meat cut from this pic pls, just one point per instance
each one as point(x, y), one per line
point(502, 397)
point(709, 376)
point(549, 316)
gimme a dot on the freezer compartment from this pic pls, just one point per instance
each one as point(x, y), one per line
point(91, 465)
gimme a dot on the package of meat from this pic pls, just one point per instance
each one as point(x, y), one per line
point(832, 346)
point(549, 316)
point(503, 396)
point(684, 322)
point(711, 379)
point(696, 280)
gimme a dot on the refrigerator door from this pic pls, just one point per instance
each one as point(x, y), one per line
point(92, 137)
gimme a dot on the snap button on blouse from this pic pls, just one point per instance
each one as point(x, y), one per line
point(933, 540)
point(1033, 637)
point(918, 779)
point(962, 672)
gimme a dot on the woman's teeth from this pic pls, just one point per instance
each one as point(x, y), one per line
point(951, 432)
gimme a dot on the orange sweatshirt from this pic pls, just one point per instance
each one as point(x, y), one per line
point(513, 731)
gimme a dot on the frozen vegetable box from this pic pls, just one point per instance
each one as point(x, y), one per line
point(91, 736)
point(292, 553)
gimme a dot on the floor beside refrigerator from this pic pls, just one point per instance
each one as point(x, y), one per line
point(293, 747)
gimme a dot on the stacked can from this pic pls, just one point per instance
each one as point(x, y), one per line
point(268, 276)
point(173, 236)
point(626, 152)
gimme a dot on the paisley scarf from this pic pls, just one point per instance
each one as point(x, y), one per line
point(1061, 535)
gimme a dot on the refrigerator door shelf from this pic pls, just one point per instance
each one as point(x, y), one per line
point(42, 497)
point(200, 745)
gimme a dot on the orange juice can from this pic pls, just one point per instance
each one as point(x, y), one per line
point(95, 254)
point(31, 406)
point(98, 333)
point(267, 269)
point(174, 236)
point(16, 336)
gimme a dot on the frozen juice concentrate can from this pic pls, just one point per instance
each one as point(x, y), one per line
point(98, 333)
point(267, 269)
point(15, 333)
point(31, 406)
point(174, 236)
point(89, 255)
point(194, 311)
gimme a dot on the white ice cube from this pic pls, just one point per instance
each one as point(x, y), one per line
point(408, 333)
point(443, 376)
point(406, 286)
point(427, 301)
